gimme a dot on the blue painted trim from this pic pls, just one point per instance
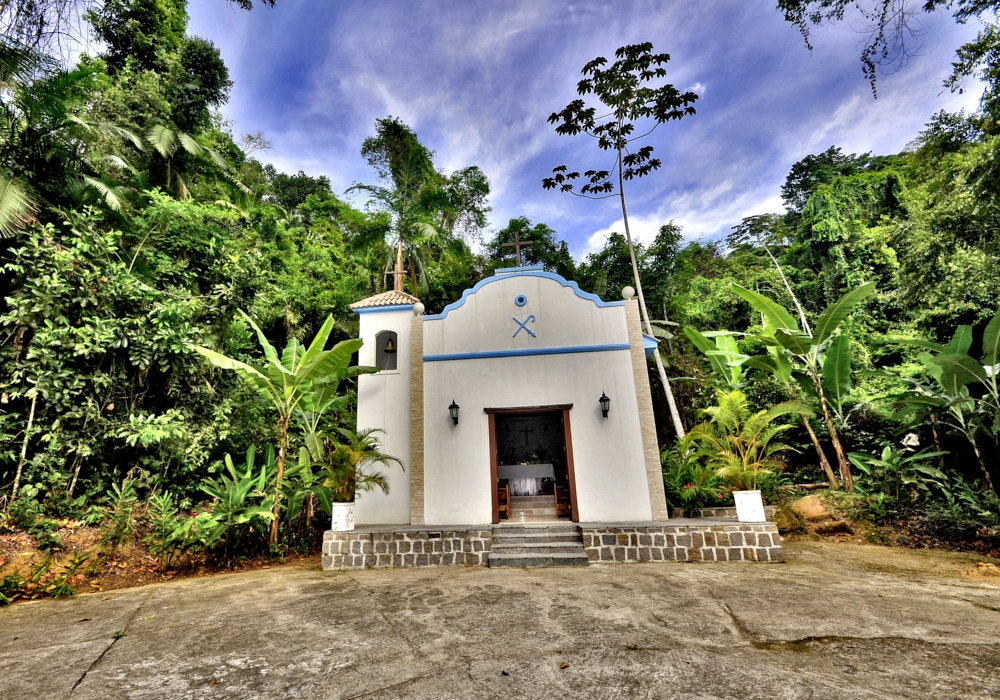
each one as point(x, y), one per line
point(534, 271)
point(649, 343)
point(567, 350)
point(380, 309)
point(520, 300)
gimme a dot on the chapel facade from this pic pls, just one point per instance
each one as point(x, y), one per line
point(527, 400)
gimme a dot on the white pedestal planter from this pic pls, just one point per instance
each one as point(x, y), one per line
point(749, 507)
point(343, 517)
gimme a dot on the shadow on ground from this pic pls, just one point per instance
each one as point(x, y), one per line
point(836, 621)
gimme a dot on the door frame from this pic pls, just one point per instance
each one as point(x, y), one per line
point(563, 408)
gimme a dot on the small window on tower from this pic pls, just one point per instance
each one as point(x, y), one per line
point(386, 348)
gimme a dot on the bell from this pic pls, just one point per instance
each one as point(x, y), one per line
point(390, 347)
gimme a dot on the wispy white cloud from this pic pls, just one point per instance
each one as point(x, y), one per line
point(478, 81)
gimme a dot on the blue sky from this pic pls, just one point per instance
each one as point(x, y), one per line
point(477, 81)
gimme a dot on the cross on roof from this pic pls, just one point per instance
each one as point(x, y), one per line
point(517, 245)
point(398, 272)
point(398, 276)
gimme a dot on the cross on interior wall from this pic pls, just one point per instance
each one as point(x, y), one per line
point(517, 245)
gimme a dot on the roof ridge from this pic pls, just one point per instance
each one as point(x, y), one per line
point(389, 298)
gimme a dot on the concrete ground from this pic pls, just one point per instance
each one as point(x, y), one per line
point(836, 621)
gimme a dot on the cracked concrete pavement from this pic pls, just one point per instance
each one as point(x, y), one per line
point(836, 621)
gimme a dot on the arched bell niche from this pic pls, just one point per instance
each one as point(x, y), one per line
point(386, 350)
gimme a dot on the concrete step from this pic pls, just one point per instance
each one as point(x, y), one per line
point(529, 501)
point(515, 511)
point(536, 560)
point(515, 528)
point(560, 537)
point(538, 548)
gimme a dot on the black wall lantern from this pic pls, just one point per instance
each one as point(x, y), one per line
point(453, 410)
point(605, 404)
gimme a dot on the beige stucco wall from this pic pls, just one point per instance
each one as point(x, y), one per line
point(610, 464)
point(384, 402)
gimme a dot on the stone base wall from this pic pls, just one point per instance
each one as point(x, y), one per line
point(406, 546)
point(727, 512)
point(412, 546)
point(739, 542)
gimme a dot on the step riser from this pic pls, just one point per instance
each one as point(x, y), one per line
point(528, 529)
point(531, 501)
point(546, 549)
point(503, 540)
point(516, 512)
point(532, 562)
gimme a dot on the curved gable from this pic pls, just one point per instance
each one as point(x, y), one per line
point(524, 311)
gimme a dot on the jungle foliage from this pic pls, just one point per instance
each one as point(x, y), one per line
point(135, 226)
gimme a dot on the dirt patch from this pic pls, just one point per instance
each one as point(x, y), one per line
point(898, 562)
point(984, 571)
point(81, 564)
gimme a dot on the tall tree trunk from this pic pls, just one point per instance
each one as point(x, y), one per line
point(845, 466)
point(24, 449)
point(77, 463)
point(824, 462)
point(675, 415)
point(398, 277)
point(982, 464)
point(937, 440)
point(282, 447)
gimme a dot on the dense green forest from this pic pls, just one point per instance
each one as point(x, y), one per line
point(135, 225)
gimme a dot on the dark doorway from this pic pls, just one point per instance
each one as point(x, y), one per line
point(531, 463)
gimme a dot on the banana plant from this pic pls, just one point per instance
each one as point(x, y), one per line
point(242, 499)
point(290, 380)
point(948, 373)
point(817, 358)
point(723, 355)
point(895, 470)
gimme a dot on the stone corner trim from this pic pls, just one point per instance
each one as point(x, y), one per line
point(650, 448)
point(737, 542)
point(416, 421)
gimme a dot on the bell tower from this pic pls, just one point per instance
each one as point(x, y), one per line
point(384, 400)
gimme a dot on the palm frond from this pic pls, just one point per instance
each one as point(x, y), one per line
point(17, 208)
point(163, 139)
point(113, 130)
point(118, 162)
point(109, 193)
point(190, 145)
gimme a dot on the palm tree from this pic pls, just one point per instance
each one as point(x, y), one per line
point(346, 461)
point(411, 205)
point(740, 444)
point(46, 147)
point(169, 142)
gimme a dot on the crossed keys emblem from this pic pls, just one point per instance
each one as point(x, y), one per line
point(524, 326)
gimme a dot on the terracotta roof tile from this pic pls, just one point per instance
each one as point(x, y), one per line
point(390, 298)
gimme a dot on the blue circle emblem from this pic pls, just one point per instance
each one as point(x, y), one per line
point(520, 300)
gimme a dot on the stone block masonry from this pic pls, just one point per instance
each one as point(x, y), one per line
point(406, 546)
point(604, 543)
point(614, 544)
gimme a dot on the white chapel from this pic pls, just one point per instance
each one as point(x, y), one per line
point(527, 400)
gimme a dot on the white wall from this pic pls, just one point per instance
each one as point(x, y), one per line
point(611, 483)
point(384, 402)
